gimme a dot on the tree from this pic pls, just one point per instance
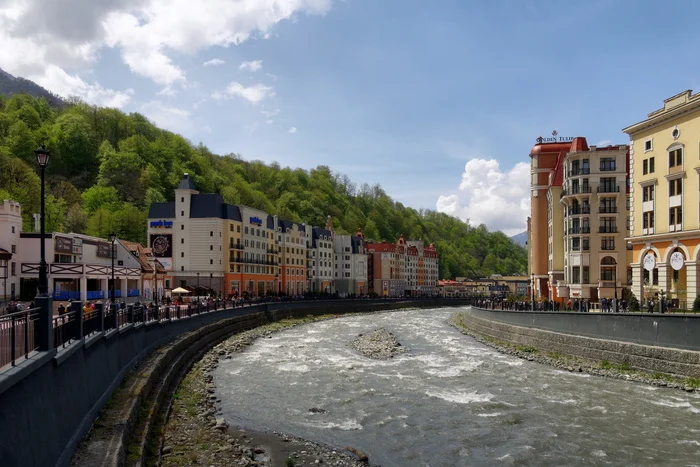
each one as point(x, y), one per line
point(76, 220)
point(122, 170)
point(98, 196)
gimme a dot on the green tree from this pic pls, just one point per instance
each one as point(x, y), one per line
point(122, 171)
point(98, 196)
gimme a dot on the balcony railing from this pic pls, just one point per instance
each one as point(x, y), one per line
point(576, 190)
point(573, 211)
point(577, 172)
point(235, 246)
point(579, 230)
point(607, 210)
point(607, 229)
point(609, 189)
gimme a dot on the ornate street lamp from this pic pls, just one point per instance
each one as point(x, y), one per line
point(532, 287)
point(42, 158)
point(155, 274)
point(113, 238)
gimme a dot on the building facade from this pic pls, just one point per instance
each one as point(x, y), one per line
point(665, 211)
point(350, 264)
point(292, 240)
point(393, 268)
point(10, 229)
point(594, 205)
point(321, 261)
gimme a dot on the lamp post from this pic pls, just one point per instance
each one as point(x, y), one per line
point(617, 304)
point(155, 275)
point(661, 301)
point(532, 287)
point(197, 285)
point(42, 158)
point(112, 238)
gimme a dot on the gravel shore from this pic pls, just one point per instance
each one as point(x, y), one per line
point(379, 344)
point(197, 434)
point(576, 364)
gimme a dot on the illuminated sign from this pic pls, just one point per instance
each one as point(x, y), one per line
point(161, 224)
point(256, 221)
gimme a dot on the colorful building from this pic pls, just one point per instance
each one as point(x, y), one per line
point(393, 268)
point(350, 264)
point(665, 212)
point(321, 261)
point(292, 240)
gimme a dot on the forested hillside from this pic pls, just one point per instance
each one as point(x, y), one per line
point(107, 167)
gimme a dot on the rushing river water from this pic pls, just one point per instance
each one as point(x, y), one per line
point(450, 401)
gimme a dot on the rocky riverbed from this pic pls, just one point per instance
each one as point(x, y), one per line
point(379, 344)
point(580, 365)
point(196, 434)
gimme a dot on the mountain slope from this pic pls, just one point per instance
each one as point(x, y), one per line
point(520, 239)
point(10, 85)
point(107, 167)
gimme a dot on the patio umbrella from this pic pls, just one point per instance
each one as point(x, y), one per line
point(180, 291)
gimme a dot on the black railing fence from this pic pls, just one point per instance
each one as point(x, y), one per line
point(18, 335)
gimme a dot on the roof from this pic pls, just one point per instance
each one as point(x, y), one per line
point(233, 212)
point(4, 254)
point(558, 178)
point(186, 183)
point(285, 225)
point(161, 211)
point(270, 222)
point(318, 232)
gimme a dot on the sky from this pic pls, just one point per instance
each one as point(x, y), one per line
point(439, 102)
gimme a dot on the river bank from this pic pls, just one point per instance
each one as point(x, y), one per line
point(196, 434)
point(579, 365)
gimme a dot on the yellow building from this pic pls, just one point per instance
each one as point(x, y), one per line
point(665, 214)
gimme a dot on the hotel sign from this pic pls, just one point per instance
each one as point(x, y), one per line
point(555, 138)
point(104, 250)
point(71, 246)
point(161, 224)
point(256, 221)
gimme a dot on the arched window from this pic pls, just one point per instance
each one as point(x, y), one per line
point(608, 267)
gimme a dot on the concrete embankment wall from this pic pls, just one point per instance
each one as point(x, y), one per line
point(656, 343)
point(49, 402)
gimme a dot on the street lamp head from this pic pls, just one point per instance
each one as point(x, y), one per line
point(112, 237)
point(42, 156)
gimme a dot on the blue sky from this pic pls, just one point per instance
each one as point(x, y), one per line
point(439, 102)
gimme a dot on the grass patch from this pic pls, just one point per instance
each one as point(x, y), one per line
point(621, 367)
point(290, 462)
point(526, 349)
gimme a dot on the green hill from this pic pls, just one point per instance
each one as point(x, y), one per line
point(107, 167)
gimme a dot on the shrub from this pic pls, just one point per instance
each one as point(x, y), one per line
point(696, 304)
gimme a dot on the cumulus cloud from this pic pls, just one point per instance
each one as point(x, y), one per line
point(253, 66)
point(292, 130)
point(253, 94)
point(214, 62)
point(69, 34)
point(487, 195)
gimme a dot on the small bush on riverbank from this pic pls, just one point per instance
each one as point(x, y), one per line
point(526, 349)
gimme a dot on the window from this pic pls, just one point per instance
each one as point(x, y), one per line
point(246, 230)
point(13, 229)
point(648, 220)
point(182, 240)
point(675, 157)
point(607, 243)
point(13, 268)
point(182, 255)
point(647, 145)
point(608, 225)
point(607, 164)
point(651, 165)
point(231, 227)
point(586, 274)
point(648, 193)
point(211, 261)
point(211, 233)
point(238, 228)
point(675, 215)
point(182, 199)
point(645, 166)
point(182, 213)
point(182, 227)
point(675, 187)
point(14, 249)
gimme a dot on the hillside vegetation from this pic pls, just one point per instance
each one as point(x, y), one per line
point(106, 168)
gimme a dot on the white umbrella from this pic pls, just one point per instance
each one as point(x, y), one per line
point(180, 291)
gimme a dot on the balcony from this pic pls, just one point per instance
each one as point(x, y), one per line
point(607, 229)
point(579, 230)
point(609, 189)
point(575, 211)
point(607, 210)
point(575, 190)
point(235, 246)
point(578, 172)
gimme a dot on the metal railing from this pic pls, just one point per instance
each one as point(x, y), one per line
point(603, 229)
point(607, 210)
point(18, 335)
point(608, 189)
point(577, 172)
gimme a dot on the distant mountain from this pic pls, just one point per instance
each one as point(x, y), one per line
point(10, 85)
point(520, 239)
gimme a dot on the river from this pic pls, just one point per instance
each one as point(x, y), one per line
point(450, 400)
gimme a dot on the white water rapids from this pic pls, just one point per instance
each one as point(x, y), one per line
point(450, 401)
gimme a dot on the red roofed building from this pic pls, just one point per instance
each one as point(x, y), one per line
point(577, 247)
point(402, 268)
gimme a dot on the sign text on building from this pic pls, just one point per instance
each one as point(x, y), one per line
point(161, 224)
point(555, 138)
point(256, 220)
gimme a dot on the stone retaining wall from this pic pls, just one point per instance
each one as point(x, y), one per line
point(642, 357)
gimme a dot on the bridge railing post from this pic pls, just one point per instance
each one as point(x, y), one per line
point(45, 322)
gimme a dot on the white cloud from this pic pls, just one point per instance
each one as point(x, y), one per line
point(65, 85)
point(292, 130)
point(214, 62)
point(603, 143)
point(253, 94)
point(36, 34)
point(253, 66)
point(269, 121)
point(168, 117)
point(487, 195)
